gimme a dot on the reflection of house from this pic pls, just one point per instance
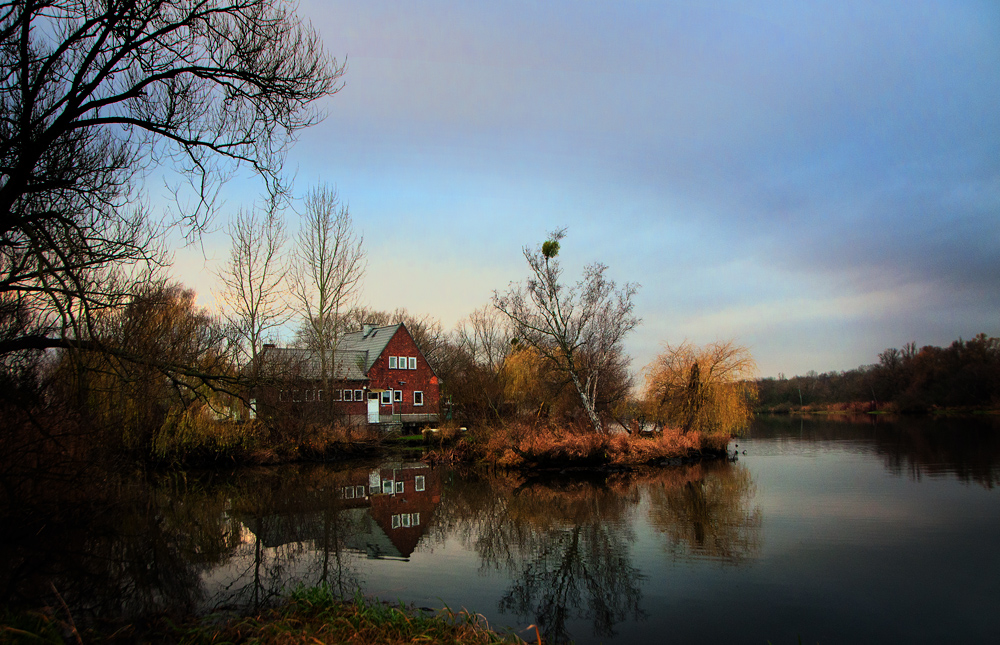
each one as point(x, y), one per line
point(376, 375)
point(381, 512)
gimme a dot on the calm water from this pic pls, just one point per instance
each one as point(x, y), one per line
point(825, 530)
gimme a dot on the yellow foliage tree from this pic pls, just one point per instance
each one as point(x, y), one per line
point(710, 389)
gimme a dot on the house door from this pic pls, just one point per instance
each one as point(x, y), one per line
point(372, 407)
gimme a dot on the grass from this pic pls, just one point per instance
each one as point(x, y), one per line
point(311, 615)
point(517, 445)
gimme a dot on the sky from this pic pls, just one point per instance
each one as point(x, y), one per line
point(817, 180)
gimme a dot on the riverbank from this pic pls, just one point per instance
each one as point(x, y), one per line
point(521, 445)
point(869, 408)
point(310, 615)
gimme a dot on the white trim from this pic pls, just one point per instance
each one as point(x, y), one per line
point(412, 362)
point(417, 402)
point(392, 362)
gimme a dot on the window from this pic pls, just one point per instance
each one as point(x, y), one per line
point(418, 398)
point(399, 487)
point(359, 491)
point(386, 397)
point(347, 395)
point(319, 395)
point(387, 486)
point(395, 521)
point(392, 362)
point(296, 395)
point(338, 395)
point(359, 395)
point(418, 483)
point(310, 394)
point(413, 362)
point(397, 396)
point(349, 492)
point(282, 396)
point(405, 520)
point(416, 519)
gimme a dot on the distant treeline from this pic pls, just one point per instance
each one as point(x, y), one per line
point(964, 374)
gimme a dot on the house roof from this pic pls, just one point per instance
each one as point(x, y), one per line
point(355, 354)
point(370, 340)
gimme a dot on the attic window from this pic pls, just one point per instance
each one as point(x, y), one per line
point(413, 362)
point(392, 362)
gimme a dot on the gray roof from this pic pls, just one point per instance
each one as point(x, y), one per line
point(371, 340)
point(355, 354)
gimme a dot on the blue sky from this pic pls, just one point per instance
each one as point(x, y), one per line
point(819, 180)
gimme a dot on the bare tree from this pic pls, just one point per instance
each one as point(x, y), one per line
point(578, 329)
point(93, 96)
point(328, 265)
point(254, 277)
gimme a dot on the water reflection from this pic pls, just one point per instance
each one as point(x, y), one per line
point(566, 543)
point(967, 448)
point(563, 547)
point(707, 511)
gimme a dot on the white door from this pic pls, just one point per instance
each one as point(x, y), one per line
point(372, 407)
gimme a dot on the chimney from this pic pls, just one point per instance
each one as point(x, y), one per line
point(366, 329)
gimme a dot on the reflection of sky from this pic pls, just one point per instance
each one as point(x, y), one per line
point(848, 552)
point(820, 180)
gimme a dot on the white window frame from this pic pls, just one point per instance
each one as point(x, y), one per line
point(338, 395)
point(319, 395)
point(412, 362)
point(395, 521)
point(387, 486)
point(405, 520)
point(348, 394)
point(297, 396)
point(359, 492)
point(416, 519)
point(386, 397)
point(359, 395)
point(418, 483)
point(418, 398)
point(399, 487)
point(392, 362)
point(397, 396)
point(349, 492)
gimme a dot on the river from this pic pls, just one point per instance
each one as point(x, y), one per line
point(875, 530)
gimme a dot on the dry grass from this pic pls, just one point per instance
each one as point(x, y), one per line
point(312, 615)
point(519, 444)
point(315, 615)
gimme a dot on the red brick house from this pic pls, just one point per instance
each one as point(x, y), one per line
point(377, 375)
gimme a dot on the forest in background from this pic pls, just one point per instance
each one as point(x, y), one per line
point(965, 374)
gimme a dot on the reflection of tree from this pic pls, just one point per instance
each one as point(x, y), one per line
point(576, 568)
point(565, 544)
point(706, 512)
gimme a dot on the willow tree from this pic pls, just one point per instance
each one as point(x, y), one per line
point(578, 329)
point(710, 389)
